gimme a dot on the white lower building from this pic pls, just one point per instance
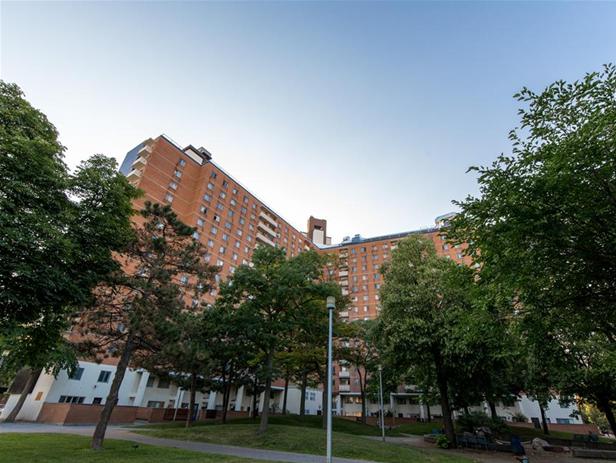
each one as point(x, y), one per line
point(78, 398)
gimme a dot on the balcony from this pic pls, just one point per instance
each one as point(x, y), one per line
point(145, 151)
point(140, 162)
point(263, 238)
point(345, 292)
point(267, 229)
point(343, 273)
point(344, 388)
point(344, 374)
point(268, 219)
point(134, 175)
point(344, 314)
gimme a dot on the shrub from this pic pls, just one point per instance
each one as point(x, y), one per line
point(519, 418)
point(476, 420)
point(442, 442)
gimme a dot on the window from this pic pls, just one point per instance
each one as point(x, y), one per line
point(77, 374)
point(203, 210)
point(214, 230)
point(163, 383)
point(178, 173)
point(196, 235)
point(182, 162)
point(97, 400)
point(225, 184)
point(200, 222)
point(39, 395)
point(71, 399)
point(173, 186)
point(563, 421)
point(169, 197)
point(210, 186)
point(103, 376)
point(223, 195)
point(213, 175)
point(156, 404)
point(150, 382)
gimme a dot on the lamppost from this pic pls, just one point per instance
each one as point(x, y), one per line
point(331, 305)
point(381, 401)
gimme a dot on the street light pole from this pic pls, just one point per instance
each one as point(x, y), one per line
point(381, 401)
point(331, 305)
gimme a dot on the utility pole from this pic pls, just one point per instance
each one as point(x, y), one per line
point(381, 402)
point(331, 305)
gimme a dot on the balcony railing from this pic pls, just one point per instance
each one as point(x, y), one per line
point(265, 239)
point(344, 374)
point(344, 388)
point(267, 218)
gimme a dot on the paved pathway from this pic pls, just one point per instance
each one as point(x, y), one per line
point(114, 432)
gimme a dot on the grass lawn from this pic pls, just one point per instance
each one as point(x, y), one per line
point(308, 421)
point(415, 428)
point(61, 448)
point(305, 439)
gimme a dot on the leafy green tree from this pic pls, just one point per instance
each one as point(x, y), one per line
point(162, 271)
point(357, 345)
point(423, 297)
point(231, 349)
point(277, 293)
point(543, 230)
point(185, 354)
point(58, 232)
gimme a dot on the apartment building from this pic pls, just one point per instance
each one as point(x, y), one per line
point(231, 222)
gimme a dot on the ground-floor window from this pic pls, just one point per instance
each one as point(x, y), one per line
point(71, 399)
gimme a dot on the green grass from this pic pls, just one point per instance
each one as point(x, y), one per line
point(63, 448)
point(415, 428)
point(306, 439)
point(308, 421)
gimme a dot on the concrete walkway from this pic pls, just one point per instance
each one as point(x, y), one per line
point(115, 432)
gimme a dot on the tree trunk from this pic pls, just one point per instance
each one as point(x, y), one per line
point(286, 392)
point(466, 410)
point(268, 392)
point(324, 409)
point(226, 396)
point(443, 390)
point(255, 390)
point(191, 402)
point(22, 398)
point(605, 406)
point(112, 398)
point(302, 400)
point(428, 411)
point(493, 413)
point(544, 423)
point(362, 393)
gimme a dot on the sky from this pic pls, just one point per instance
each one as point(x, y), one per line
point(367, 114)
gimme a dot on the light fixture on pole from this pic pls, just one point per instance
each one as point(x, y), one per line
point(331, 305)
point(381, 402)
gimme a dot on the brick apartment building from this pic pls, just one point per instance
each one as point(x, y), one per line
point(231, 222)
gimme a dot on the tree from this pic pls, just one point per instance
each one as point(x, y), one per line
point(162, 271)
point(231, 349)
point(58, 232)
point(185, 354)
point(357, 346)
point(423, 297)
point(275, 292)
point(542, 230)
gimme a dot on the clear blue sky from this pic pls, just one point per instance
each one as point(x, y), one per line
point(366, 114)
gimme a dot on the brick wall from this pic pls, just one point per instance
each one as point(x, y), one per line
point(84, 414)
